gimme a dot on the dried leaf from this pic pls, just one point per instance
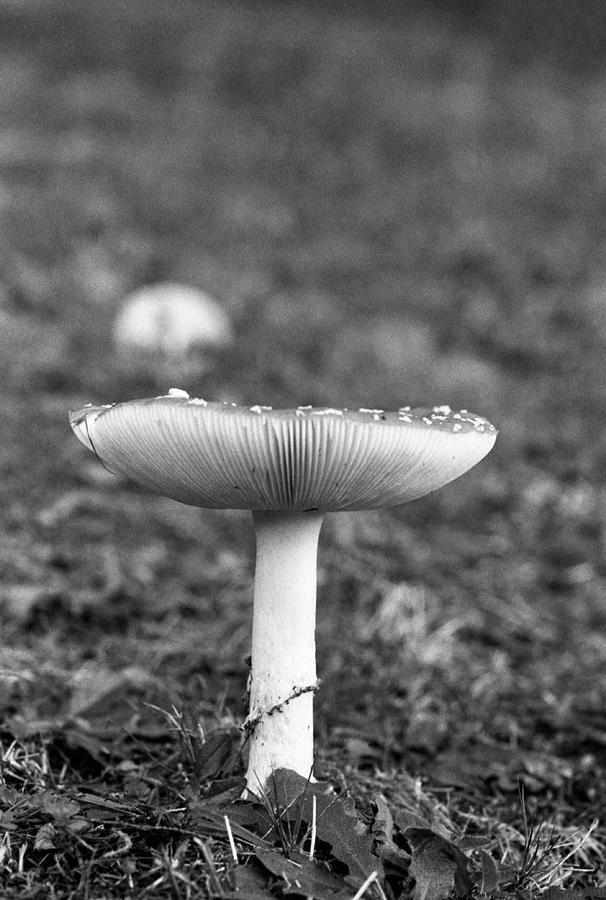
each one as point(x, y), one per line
point(98, 692)
point(206, 816)
point(8, 795)
point(302, 875)
point(217, 755)
point(437, 866)
point(382, 831)
point(81, 742)
point(45, 838)
point(78, 824)
point(473, 842)
point(7, 821)
point(382, 827)
point(59, 808)
point(407, 818)
point(554, 893)
point(337, 823)
point(490, 873)
point(340, 827)
point(250, 882)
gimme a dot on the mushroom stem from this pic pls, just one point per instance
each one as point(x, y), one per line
point(283, 676)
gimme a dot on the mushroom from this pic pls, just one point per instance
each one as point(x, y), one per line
point(170, 319)
point(289, 467)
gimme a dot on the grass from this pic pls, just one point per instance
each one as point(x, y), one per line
point(396, 207)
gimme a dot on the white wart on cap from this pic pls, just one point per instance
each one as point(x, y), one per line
point(220, 455)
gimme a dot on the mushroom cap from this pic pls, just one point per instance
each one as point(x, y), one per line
point(170, 318)
point(220, 455)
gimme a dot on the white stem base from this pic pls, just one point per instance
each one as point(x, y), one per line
point(283, 677)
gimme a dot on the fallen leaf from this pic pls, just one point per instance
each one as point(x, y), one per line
point(217, 755)
point(437, 866)
point(407, 818)
point(98, 692)
point(382, 831)
point(45, 838)
point(302, 875)
point(250, 882)
point(205, 815)
point(59, 808)
point(382, 827)
point(554, 893)
point(490, 873)
point(337, 822)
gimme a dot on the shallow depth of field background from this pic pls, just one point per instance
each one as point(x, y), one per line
point(396, 203)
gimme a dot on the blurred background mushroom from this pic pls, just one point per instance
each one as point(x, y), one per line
point(170, 322)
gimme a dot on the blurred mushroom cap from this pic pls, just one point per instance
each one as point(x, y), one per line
point(170, 319)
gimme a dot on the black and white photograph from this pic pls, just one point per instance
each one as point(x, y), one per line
point(302, 449)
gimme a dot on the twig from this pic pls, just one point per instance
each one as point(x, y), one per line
point(252, 720)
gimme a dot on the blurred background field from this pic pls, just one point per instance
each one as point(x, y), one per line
point(395, 203)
